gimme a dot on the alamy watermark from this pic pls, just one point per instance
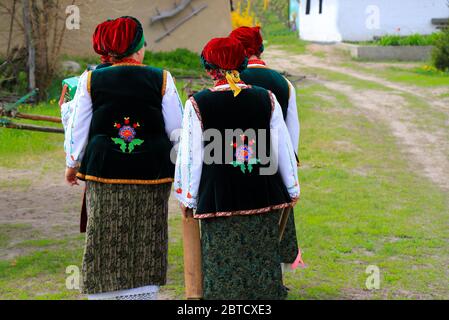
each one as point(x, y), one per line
point(245, 149)
point(373, 280)
point(72, 282)
point(373, 17)
point(73, 20)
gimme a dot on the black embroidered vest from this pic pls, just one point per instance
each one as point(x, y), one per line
point(127, 139)
point(270, 80)
point(237, 187)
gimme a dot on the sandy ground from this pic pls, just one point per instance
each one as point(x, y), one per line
point(47, 204)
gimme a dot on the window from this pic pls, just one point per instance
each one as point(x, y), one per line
point(308, 6)
point(321, 6)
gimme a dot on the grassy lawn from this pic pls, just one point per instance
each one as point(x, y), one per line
point(421, 76)
point(17, 148)
point(41, 273)
point(361, 206)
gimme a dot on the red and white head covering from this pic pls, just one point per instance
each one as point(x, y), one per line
point(96, 42)
point(251, 38)
point(118, 38)
point(226, 54)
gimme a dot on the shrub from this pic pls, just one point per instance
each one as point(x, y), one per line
point(180, 61)
point(440, 54)
point(412, 40)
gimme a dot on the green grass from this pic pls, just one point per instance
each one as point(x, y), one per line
point(360, 207)
point(182, 62)
point(18, 148)
point(421, 76)
point(276, 33)
point(397, 40)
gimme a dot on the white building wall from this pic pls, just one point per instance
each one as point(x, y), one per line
point(361, 20)
point(319, 27)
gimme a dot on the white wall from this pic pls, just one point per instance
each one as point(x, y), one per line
point(319, 27)
point(361, 20)
point(357, 18)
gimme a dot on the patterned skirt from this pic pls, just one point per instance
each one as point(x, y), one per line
point(127, 237)
point(242, 258)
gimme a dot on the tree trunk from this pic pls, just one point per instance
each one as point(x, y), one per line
point(29, 44)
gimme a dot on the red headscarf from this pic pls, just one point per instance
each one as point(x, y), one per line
point(96, 42)
point(251, 38)
point(119, 38)
point(227, 54)
point(224, 53)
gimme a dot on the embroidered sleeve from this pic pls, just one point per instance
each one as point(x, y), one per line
point(171, 107)
point(292, 120)
point(78, 123)
point(189, 163)
point(284, 151)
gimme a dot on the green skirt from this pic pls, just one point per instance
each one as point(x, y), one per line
point(242, 258)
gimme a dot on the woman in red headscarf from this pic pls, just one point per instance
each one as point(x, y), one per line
point(118, 142)
point(259, 74)
point(236, 187)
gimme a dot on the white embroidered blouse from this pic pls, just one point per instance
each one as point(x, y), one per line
point(77, 117)
point(191, 154)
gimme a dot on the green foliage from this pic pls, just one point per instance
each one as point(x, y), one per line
point(411, 40)
point(440, 54)
point(276, 32)
point(180, 62)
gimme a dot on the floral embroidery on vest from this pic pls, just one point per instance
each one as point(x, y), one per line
point(245, 155)
point(127, 136)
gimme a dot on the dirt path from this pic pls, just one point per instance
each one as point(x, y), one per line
point(45, 203)
point(427, 148)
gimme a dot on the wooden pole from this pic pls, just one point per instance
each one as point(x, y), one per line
point(193, 273)
point(38, 118)
point(283, 222)
point(29, 127)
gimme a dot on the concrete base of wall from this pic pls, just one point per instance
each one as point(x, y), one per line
point(379, 53)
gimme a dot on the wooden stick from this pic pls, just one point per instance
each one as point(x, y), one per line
point(283, 222)
point(30, 44)
point(193, 274)
point(29, 127)
point(38, 118)
point(171, 13)
point(63, 93)
point(181, 22)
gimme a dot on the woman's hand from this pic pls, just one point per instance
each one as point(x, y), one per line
point(70, 176)
point(186, 212)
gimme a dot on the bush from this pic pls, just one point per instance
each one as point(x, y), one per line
point(440, 54)
point(412, 40)
point(180, 61)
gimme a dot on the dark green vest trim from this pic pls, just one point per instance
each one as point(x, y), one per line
point(270, 80)
point(238, 188)
point(127, 138)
